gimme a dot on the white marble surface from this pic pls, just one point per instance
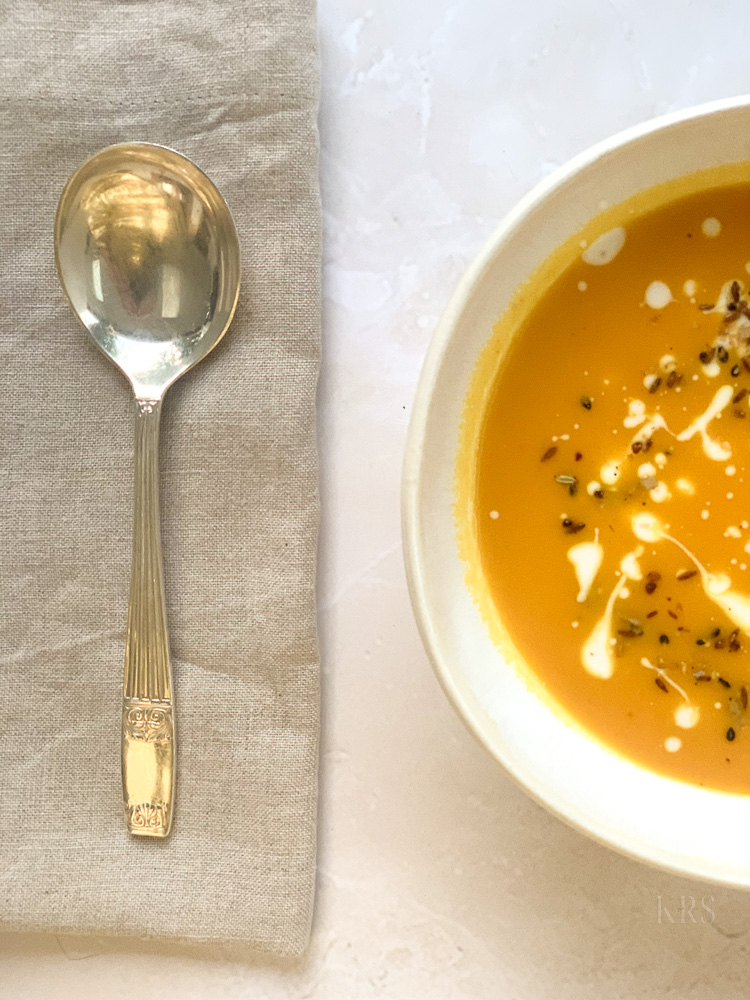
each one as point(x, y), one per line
point(438, 877)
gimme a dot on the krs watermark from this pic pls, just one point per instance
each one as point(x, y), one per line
point(685, 910)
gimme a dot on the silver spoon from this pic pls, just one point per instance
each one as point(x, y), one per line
point(148, 257)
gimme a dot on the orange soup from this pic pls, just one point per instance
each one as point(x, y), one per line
point(611, 494)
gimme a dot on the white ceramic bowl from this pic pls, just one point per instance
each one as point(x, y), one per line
point(664, 822)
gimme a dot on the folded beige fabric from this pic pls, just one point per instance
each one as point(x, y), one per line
point(232, 84)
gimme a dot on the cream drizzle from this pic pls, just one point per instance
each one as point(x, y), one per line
point(636, 413)
point(713, 450)
point(630, 565)
point(711, 227)
point(658, 295)
point(657, 488)
point(596, 654)
point(611, 471)
point(648, 424)
point(605, 248)
point(654, 423)
point(646, 527)
point(645, 662)
point(723, 299)
point(734, 336)
point(685, 716)
point(667, 363)
point(660, 492)
point(716, 586)
point(586, 558)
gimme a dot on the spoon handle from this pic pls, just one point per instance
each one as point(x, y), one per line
point(148, 750)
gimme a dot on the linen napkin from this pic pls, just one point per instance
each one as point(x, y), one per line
point(233, 84)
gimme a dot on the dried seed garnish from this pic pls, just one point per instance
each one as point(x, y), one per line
point(735, 371)
point(549, 453)
point(570, 481)
point(674, 378)
point(574, 527)
point(723, 683)
point(707, 356)
point(599, 494)
point(701, 675)
point(587, 402)
point(578, 456)
point(636, 447)
point(743, 697)
point(722, 354)
point(707, 307)
point(659, 681)
point(651, 614)
point(740, 396)
point(731, 734)
point(687, 574)
point(652, 580)
point(633, 630)
point(664, 639)
point(734, 641)
point(671, 614)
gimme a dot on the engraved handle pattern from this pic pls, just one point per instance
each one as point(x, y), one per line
point(147, 716)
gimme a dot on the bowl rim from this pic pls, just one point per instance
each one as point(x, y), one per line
point(412, 469)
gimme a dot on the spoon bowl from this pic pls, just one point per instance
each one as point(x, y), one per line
point(148, 256)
